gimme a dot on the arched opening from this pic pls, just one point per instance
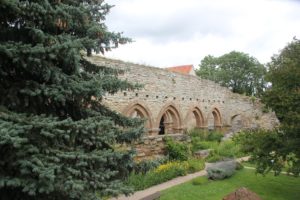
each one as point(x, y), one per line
point(194, 119)
point(136, 113)
point(162, 126)
point(137, 110)
point(214, 120)
point(217, 118)
point(169, 121)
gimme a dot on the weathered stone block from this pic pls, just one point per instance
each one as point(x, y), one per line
point(202, 153)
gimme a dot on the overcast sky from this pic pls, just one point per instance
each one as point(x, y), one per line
point(177, 32)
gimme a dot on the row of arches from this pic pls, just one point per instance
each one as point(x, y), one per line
point(169, 119)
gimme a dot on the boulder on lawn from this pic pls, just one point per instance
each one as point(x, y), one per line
point(221, 170)
point(242, 194)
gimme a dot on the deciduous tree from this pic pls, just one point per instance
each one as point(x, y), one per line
point(236, 70)
point(273, 150)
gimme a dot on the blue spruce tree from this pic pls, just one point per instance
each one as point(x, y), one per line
point(57, 141)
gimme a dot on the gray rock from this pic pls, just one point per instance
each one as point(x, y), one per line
point(202, 153)
point(221, 170)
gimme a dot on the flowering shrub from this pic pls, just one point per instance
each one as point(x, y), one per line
point(173, 165)
point(164, 173)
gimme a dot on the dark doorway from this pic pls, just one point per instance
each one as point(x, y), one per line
point(162, 126)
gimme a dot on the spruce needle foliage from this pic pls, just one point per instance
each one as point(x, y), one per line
point(57, 140)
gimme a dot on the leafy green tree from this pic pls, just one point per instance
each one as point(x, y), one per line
point(284, 94)
point(273, 150)
point(236, 70)
point(57, 141)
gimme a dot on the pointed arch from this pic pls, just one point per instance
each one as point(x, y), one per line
point(217, 117)
point(169, 120)
point(195, 118)
point(214, 119)
point(140, 110)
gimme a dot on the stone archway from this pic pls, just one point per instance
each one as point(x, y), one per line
point(194, 118)
point(169, 120)
point(214, 120)
point(138, 110)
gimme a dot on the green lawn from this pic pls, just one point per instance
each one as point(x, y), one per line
point(268, 188)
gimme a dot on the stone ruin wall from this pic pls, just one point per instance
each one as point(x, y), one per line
point(183, 102)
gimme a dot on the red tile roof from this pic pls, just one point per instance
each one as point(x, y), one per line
point(183, 69)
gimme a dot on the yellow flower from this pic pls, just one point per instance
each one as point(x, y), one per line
point(167, 166)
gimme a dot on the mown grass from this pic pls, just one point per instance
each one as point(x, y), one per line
point(267, 187)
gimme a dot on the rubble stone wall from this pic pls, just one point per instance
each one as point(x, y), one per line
point(175, 102)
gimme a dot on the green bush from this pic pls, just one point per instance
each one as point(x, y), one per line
point(197, 144)
point(205, 135)
point(223, 150)
point(177, 150)
point(214, 136)
point(198, 133)
point(147, 165)
point(200, 180)
point(230, 149)
point(214, 157)
point(194, 165)
point(263, 147)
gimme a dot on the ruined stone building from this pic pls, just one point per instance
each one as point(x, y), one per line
point(173, 103)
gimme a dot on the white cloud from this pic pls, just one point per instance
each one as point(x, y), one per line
point(175, 32)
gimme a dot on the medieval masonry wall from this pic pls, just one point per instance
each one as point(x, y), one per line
point(173, 103)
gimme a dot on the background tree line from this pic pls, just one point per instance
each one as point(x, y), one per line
point(238, 71)
point(275, 149)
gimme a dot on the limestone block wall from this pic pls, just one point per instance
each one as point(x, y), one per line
point(185, 96)
point(173, 103)
point(152, 146)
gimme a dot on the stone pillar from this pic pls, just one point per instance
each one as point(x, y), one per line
point(168, 127)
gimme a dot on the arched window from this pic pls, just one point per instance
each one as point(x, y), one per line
point(137, 110)
point(194, 118)
point(217, 117)
point(169, 120)
point(214, 119)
